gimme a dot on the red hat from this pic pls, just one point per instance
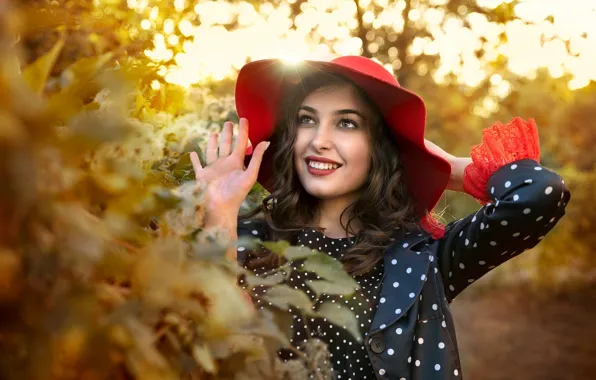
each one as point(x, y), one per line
point(261, 86)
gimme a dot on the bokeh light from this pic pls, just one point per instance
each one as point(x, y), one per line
point(211, 50)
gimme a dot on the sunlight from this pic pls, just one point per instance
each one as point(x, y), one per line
point(213, 51)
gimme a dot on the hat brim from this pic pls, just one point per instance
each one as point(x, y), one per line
point(262, 85)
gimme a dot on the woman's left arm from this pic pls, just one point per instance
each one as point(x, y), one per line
point(523, 202)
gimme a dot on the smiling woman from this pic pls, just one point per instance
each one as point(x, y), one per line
point(328, 118)
point(351, 175)
point(331, 138)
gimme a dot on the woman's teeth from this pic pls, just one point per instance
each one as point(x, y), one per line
point(322, 166)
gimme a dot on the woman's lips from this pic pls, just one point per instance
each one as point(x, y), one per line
point(320, 172)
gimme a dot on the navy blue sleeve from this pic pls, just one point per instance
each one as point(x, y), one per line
point(527, 202)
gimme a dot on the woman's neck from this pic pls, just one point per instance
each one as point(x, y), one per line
point(329, 213)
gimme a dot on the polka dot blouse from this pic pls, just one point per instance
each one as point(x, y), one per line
point(349, 358)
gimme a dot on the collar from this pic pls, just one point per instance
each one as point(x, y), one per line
point(406, 269)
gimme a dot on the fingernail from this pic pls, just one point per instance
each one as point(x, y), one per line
point(267, 146)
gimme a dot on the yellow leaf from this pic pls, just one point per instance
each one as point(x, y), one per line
point(203, 357)
point(140, 103)
point(36, 74)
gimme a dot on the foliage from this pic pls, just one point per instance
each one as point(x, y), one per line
point(105, 270)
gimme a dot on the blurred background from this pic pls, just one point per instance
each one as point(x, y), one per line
point(474, 62)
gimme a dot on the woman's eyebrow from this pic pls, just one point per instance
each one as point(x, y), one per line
point(338, 112)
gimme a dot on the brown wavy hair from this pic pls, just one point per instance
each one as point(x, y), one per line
point(383, 206)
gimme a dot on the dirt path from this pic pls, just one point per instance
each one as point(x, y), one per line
point(509, 334)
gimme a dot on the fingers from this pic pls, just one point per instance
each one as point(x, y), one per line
point(242, 141)
point(256, 159)
point(226, 144)
point(211, 154)
point(196, 163)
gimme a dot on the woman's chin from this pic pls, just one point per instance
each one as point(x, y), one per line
point(324, 192)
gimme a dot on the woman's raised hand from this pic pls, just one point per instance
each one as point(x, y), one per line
point(228, 181)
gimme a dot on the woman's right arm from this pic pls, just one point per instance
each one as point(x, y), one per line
point(226, 179)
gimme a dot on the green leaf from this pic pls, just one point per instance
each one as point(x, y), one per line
point(184, 162)
point(37, 73)
point(283, 296)
point(274, 279)
point(297, 253)
point(326, 287)
point(248, 242)
point(329, 269)
point(340, 316)
point(277, 247)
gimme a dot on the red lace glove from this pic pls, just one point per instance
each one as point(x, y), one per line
point(501, 144)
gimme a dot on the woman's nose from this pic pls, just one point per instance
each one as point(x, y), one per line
point(323, 138)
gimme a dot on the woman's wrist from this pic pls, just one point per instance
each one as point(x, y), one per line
point(458, 167)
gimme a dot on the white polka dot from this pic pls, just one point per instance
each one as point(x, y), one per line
point(474, 219)
point(552, 219)
point(528, 181)
point(481, 262)
point(455, 372)
point(409, 270)
point(423, 277)
point(405, 245)
point(516, 197)
point(462, 266)
point(527, 211)
point(381, 371)
point(441, 345)
point(444, 324)
point(493, 243)
point(393, 262)
point(395, 284)
point(420, 340)
point(435, 307)
point(516, 234)
point(382, 300)
point(492, 190)
point(417, 363)
point(409, 359)
point(412, 295)
point(507, 184)
point(390, 351)
point(537, 168)
point(514, 166)
point(397, 311)
point(504, 222)
point(241, 249)
point(548, 190)
point(382, 326)
point(255, 232)
point(471, 280)
point(539, 218)
point(437, 367)
point(399, 331)
point(467, 242)
point(451, 288)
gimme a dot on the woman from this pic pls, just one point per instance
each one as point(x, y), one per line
point(350, 174)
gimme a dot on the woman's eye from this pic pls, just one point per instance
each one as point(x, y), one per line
point(347, 123)
point(304, 119)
